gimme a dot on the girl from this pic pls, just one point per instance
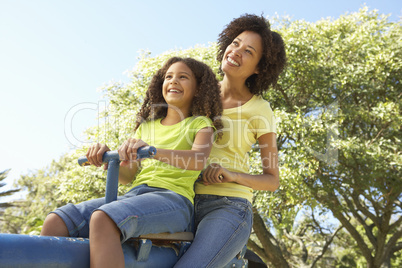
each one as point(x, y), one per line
point(252, 57)
point(175, 117)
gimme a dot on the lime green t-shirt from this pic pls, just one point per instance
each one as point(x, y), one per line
point(180, 136)
point(242, 126)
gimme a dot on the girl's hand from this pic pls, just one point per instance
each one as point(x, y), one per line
point(95, 154)
point(215, 173)
point(128, 150)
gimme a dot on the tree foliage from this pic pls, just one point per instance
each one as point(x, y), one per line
point(339, 137)
point(338, 110)
point(5, 193)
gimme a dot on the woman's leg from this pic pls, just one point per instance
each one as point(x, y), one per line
point(104, 239)
point(223, 228)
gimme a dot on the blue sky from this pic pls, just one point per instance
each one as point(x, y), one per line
point(55, 55)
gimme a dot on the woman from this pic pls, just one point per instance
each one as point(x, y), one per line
point(252, 58)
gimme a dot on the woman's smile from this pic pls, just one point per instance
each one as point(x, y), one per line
point(244, 52)
point(232, 61)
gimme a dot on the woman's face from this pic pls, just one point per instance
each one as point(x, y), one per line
point(242, 56)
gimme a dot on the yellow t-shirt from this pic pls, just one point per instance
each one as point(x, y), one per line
point(180, 136)
point(243, 125)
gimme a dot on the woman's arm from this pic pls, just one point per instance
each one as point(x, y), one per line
point(267, 181)
point(194, 159)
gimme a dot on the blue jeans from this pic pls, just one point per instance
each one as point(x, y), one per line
point(223, 226)
point(142, 210)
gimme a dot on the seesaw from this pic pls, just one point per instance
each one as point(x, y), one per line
point(152, 250)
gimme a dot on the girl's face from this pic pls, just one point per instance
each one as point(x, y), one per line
point(242, 56)
point(179, 86)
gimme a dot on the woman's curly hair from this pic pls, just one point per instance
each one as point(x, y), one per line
point(206, 101)
point(273, 58)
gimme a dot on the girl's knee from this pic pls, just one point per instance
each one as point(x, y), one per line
point(52, 218)
point(54, 226)
point(101, 223)
point(100, 219)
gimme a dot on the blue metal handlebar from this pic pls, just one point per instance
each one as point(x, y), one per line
point(143, 152)
point(112, 158)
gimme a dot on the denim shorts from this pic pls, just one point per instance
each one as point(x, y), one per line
point(142, 210)
point(223, 226)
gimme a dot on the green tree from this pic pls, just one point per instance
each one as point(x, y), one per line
point(40, 198)
point(6, 193)
point(339, 137)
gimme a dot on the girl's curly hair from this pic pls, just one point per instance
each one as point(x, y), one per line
point(206, 101)
point(273, 58)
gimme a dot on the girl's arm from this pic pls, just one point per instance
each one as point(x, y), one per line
point(267, 181)
point(128, 155)
point(95, 154)
point(194, 159)
point(127, 172)
point(127, 169)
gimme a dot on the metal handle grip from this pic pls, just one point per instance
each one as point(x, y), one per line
point(112, 158)
point(143, 152)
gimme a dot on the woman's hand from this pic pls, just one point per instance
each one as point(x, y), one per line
point(95, 154)
point(267, 181)
point(215, 173)
point(128, 151)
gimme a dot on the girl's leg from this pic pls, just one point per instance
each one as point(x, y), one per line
point(104, 239)
point(146, 210)
point(223, 228)
point(54, 226)
point(71, 220)
point(143, 210)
